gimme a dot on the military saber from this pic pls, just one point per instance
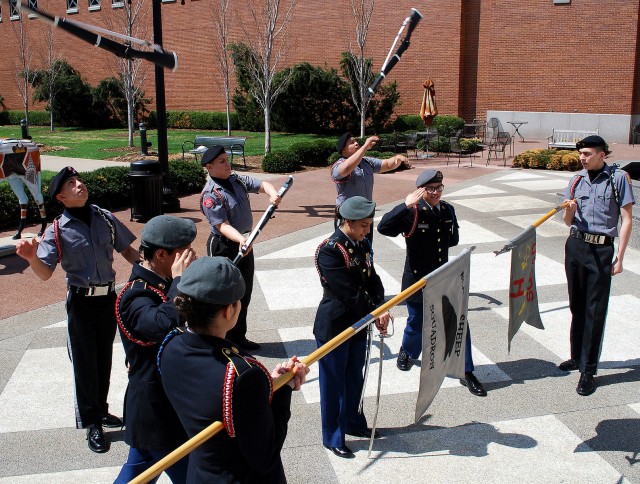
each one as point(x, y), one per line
point(410, 23)
point(216, 427)
point(83, 31)
point(535, 224)
point(262, 222)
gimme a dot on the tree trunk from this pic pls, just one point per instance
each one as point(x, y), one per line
point(267, 129)
point(130, 121)
point(363, 117)
point(51, 109)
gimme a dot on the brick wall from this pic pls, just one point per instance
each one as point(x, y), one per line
point(526, 55)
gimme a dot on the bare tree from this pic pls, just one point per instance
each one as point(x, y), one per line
point(221, 22)
point(130, 21)
point(22, 65)
point(53, 66)
point(267, 42)
point(357, 63)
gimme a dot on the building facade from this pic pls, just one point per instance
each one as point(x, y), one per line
point(522, 59)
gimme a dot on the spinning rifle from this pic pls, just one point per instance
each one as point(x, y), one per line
point(263, 221)
point(93, 35)
point(392, 59)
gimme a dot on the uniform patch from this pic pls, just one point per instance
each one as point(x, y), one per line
point(208, 202)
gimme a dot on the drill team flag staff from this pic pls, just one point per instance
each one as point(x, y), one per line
point(523, 292)
point(446, 307)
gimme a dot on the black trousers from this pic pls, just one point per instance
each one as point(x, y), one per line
point(588, 269)
point(221, 246)
point(92, 328)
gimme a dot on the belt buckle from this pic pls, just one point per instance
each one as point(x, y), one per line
point(98, 290)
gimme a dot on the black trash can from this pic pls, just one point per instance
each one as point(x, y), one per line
point(145, 179)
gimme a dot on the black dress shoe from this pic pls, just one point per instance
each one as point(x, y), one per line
point(97, 441)
point(404, 362)
point(245, 344)
point(111, 421)
point(569, 365)
point(344, 452)
point(471, 382)
point(366, 434)
point(586, 385)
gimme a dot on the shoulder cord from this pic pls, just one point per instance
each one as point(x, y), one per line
point(56, 237)
point(172, 334)
point(121, 324)
point(227, 391)
point(214, 191)
point(415, 223)
point(341, 180)
point(347, 260)
point(574, 184)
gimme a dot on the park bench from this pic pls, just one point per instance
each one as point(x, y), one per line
point(567, 138)
point(232, 146)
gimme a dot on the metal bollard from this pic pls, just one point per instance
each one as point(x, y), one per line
point(143, 139)
point(25, 131)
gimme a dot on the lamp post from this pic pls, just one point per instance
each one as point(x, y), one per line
point(170, 203)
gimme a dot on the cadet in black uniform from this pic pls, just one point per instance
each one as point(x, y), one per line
point(602, 195)
point(430, 227)
point(146, 314)
point(82, 240)
point(208, 379)
point(352, 289)
point(225, 203)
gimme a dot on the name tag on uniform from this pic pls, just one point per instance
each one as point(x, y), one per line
point(423, 226)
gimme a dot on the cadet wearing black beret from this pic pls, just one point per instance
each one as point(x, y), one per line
point(210, 379)
point(146, 313)
point(351, 289)
point(430, 227)
point(83, 240)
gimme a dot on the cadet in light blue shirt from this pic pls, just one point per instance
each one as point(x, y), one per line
point(602, 196)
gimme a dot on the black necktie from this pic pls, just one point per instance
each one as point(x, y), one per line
point(436, 210)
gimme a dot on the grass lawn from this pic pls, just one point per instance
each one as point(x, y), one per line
point(102, 144)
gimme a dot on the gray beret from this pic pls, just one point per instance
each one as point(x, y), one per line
point(213, 280)
point(357, 208)
point(211, 154)
point(62, 176)
point(429, 176)
point(168, 232)
point(342, 142)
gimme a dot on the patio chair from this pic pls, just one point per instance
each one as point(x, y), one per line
point(499, 145)
point(456, 149)
point(407, 142)
point(387, 143)
point(635, 134)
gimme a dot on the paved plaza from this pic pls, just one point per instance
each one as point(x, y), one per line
point(532, 426)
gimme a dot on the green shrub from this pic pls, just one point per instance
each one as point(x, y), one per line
point(36, 118)
point(284, 161)
point(408, 122)
point(439, 144)
point(108, 188)
point(550, 159)
point(313, 153)
point(203, 120)
point(448, 125)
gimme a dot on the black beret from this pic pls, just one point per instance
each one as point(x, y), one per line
point(357, 208)
point(343, 141)
point(429, 176)
point(213, 280)
point(168, 232)
point(593, 141)
point(62, 176)
point(211, 154)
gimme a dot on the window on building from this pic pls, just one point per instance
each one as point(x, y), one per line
point(94, 5)
point(168, 1)
point(0, 11)
point(33, 4)
point(117, 3)
point(72, 6)
point(14, 10)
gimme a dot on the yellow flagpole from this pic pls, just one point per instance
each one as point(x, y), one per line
point(551, 213)
point(208, 432)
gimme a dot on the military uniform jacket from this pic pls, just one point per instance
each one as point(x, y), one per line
point(194, 370)
point(85, 252)
point(352, 288)
point(220, 204)
point(144, 319)
point(428, 237)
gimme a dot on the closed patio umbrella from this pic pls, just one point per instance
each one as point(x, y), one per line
point(428, 109)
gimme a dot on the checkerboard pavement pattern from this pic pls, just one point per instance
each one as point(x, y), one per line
point(532, 426)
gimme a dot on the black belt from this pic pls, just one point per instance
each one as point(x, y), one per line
point(91, 291)
point(595, 239)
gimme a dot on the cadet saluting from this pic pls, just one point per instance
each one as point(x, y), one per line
point(430, 227)
point(225, 203)
point(82, 240)
point(603, 196)
point(146, 314)
point(352, 289)
point(208, 379)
